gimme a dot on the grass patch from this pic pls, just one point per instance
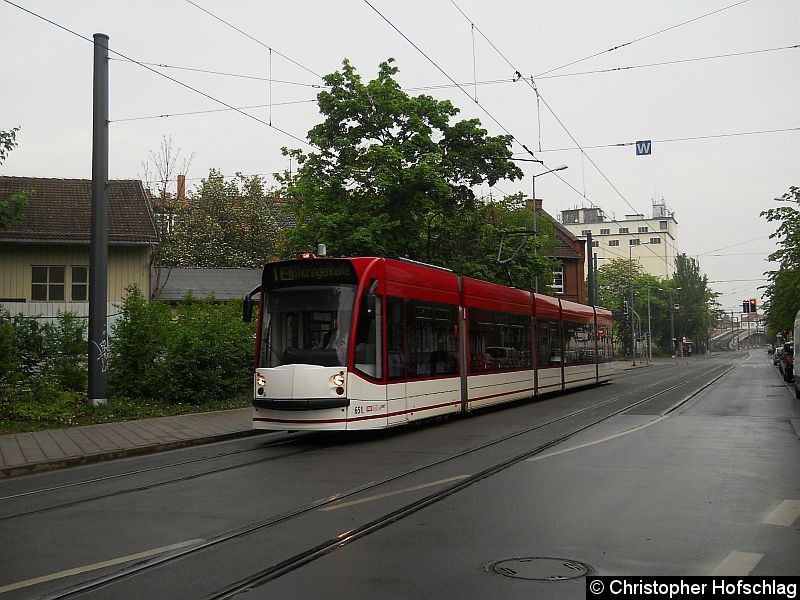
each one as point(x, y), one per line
point(23, 409)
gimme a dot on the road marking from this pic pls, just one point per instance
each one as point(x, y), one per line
point(737, 564)
point(600, 441)
point(395, 493)
point(95, 566)
point(786, 514)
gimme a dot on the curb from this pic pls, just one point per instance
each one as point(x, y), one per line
point(72, 461)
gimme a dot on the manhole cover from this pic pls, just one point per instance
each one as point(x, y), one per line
point(540, 568)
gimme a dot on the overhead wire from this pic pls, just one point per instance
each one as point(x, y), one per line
point(227, 74)
point(256, 40)
point(531, 84)
point(669, 62)
point(447, 75)
point(639, 39)
point(159, 73)
point(210, 110)
point(475, 82)
point(680, 139)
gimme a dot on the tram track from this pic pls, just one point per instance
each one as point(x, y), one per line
point(150, 486)
point(287, 438)
point(299, 559)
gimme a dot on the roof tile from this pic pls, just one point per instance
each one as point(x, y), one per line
point(60, 210)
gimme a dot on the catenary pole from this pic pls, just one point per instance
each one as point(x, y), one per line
point(98, 260)
point(591, 274)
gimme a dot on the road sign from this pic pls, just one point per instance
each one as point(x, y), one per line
point(643, 147)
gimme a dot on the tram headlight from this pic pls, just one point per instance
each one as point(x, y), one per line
point(261, 382)
point(337, 379)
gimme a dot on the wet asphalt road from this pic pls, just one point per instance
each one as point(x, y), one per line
point(710, 485)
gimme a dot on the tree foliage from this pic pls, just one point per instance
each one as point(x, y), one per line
point(688, 290)
point(697, 302)
point(223, 224)
point(782, 293)
point(11, 208)
point(393, 175)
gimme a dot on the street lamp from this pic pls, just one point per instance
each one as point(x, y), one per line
point(533, 193)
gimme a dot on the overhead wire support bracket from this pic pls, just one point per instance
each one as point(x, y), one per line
point(526, 233)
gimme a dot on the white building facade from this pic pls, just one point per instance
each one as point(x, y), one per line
point(651, 242)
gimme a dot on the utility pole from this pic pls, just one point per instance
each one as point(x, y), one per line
point(672, 324)
point(591, 274)
point(98, 259)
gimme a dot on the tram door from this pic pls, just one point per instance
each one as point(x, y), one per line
point(396, 387)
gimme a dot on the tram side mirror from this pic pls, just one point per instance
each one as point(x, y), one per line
point(247, 305)
point(247, 309)
point(371, 296)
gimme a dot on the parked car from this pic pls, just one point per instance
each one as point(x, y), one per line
point(776, 356)
point(787, 361)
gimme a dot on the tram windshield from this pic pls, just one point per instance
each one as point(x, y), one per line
point(307, 325)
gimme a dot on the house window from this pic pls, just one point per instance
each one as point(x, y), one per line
point(166, 220)
point(47, 284)
point(655, 240)
point(623, 230)
point(633, 242)
point(663, 225)
point(558, 280)
point(643, 229)
point(586, 231)
point(595, 244)
point(605, 232)
point(80, 284)
point(613, 242)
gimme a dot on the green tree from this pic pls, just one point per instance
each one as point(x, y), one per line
point(782, 293)
point(224, 224)
point(615, 280)
point(11, 208)
point(394, 176)
point(697, 302)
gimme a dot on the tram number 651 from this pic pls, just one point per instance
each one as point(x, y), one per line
point(358, 410)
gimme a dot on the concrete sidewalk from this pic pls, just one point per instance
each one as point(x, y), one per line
point(24, 453)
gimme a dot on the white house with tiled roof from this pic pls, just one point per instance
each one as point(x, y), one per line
point(44, 258)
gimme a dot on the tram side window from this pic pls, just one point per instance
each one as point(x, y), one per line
point(603, 335)
point(395, 339)
point(579, 343)
point(549, 343)
point(430, 329)
point(498, 341)
point(369, 345)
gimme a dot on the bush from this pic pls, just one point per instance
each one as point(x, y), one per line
point(55, 353)
point(9, 353)
point(209, 352)
point(69, 358)
point(136, 362)
point(201, 352)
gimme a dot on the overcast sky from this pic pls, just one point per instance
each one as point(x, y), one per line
point(716, 185)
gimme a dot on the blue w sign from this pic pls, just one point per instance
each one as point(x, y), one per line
point(643, 147)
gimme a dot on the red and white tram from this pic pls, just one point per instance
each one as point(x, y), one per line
point(368, 343)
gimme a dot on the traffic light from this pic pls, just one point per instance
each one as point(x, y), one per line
point(752, 305)
point(745, 306)
point(624, 307)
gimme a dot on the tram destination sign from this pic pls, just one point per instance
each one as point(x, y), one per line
point(314, 271)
